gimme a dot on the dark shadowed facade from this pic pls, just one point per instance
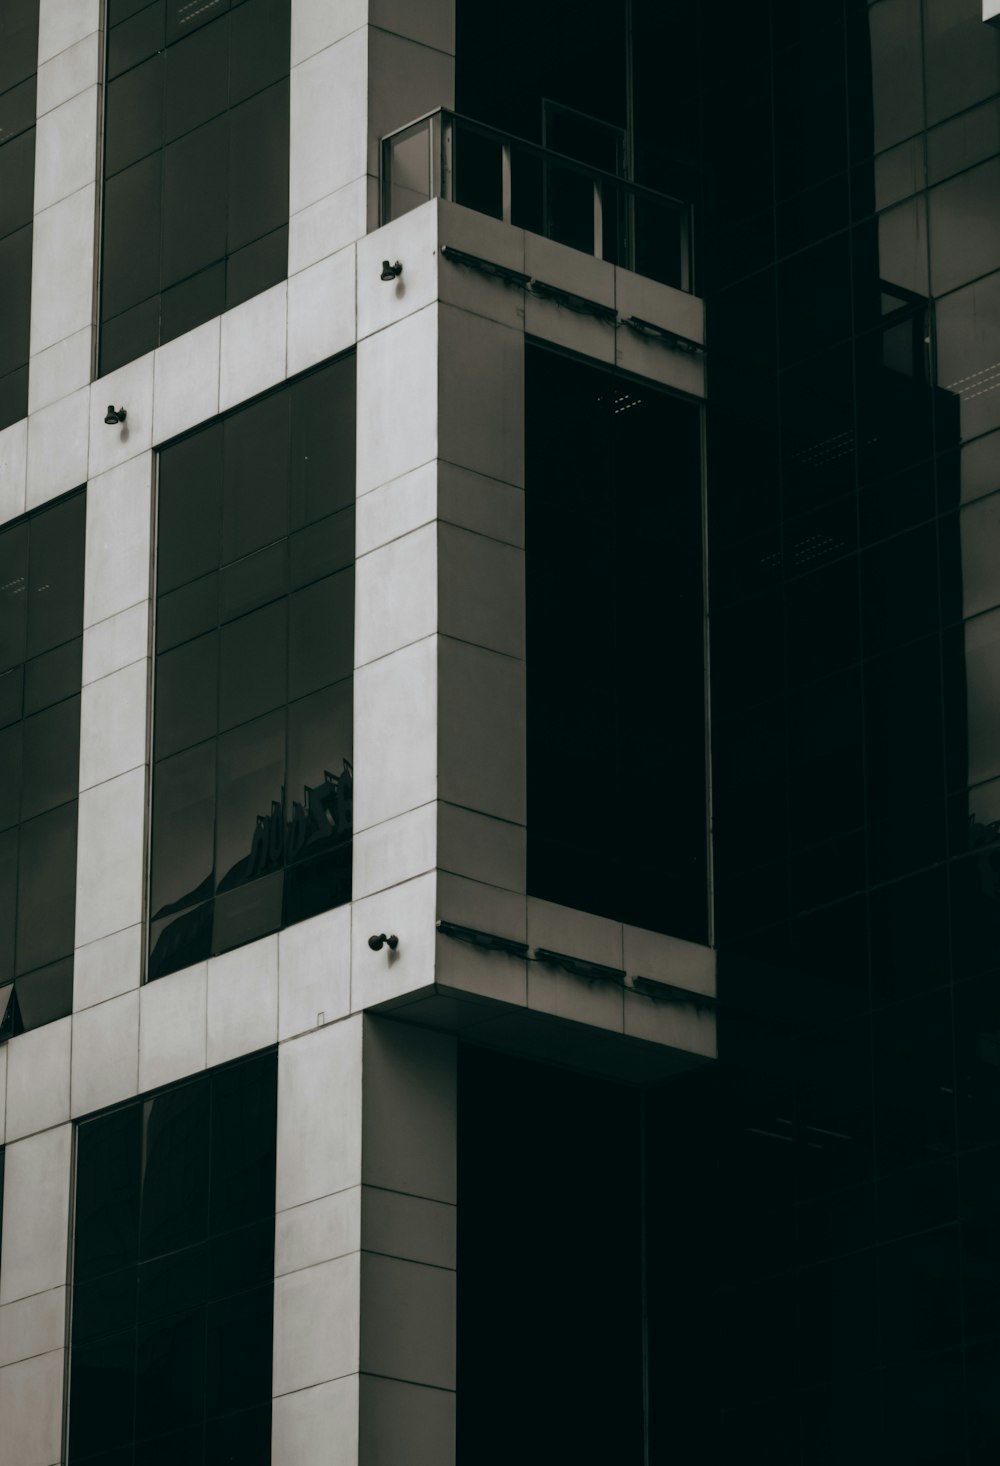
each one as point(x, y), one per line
point(499, 733)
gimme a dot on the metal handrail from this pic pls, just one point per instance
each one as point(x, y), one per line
point(442, 124)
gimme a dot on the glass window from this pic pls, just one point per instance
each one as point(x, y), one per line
point(252, 782)
point(196, 162)
point(18, 61)
point(41, 624)
point(174, 1253)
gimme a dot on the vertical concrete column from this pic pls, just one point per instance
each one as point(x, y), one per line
point(408, 1257)
point(360, 69)
point(395, 676)
point(110, 882)
point(33, 1297)
point(64, 244)
point(481, 667)
point(317, 1247)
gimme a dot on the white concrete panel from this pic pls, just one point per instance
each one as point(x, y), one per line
point(66, 148)
point(113, 724)
point(38, 1079)
point(647, 357)
point(482, 848)
point(186, 381)
point(321, 311)
point(669, 959)
point(396, 508)
point(408, 1321)
point(316, 1324)
point(395, 722)
point(172, 1027)
point(325, 227)
point(396, 595)
point(410, 1110)
point(601, 1004)
point(61, 23)
point(3, 1094)
point(432, 22)
point(242, 1000)
point(105, 1054)
point(489, 239)
point(119, 517)
point(481, 736)
point(13, 469)
point(31, 1408)
point(62, 369)
point(481, 906)
point(316, 24)
point(116, 643)
point(991, 11)
point(481, 371)
point(63, 256)
point(36, 1213)
point(317, 1231)
point(583, 334)
point(577, 933)
point(319, 1114)
point(318, 1424)
point(314, 972)
point(397, 399)
point(57, 449)
point(31, 1326)
point(678, 1025)
point(110, 850)
point(412, 240)
point(69, 73)
point(253, 346)
point(408, 912)
point(394, 851)
point(473, 972)
point(131, 387)
point(411, 1227)
point(678, 311)
point(481, 590)
point(107, 967)
point(570, 269)
point(406, 1422)
point(405, 80)
point(328, 122)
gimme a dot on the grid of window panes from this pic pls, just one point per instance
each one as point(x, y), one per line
point(195, 165)
point(41, 630)
point(252, 780)
point(617, 818)
point(173, 1261)
point(18, 62)
point(852, 267)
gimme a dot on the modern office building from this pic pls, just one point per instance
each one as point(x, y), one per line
point(499, 733)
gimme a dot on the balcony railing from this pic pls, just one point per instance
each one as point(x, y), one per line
point(448, 156)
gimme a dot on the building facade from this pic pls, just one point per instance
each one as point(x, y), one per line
point(499, 733)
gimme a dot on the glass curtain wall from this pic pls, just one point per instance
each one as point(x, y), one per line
point(18, 64)
point(253, 698)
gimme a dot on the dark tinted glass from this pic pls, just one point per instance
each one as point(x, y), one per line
point(135, 115)
point(17, 181)
point(190, 509)
point(258, 166)
point(15, 300)
point(194, 167)
point(171, 1333)
point(131, 236)
point(196, 161)
point(50, 771)
point(46, 888)
point(52, 676)
point(195, 76)
point(262, 653)
point(186, 696)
